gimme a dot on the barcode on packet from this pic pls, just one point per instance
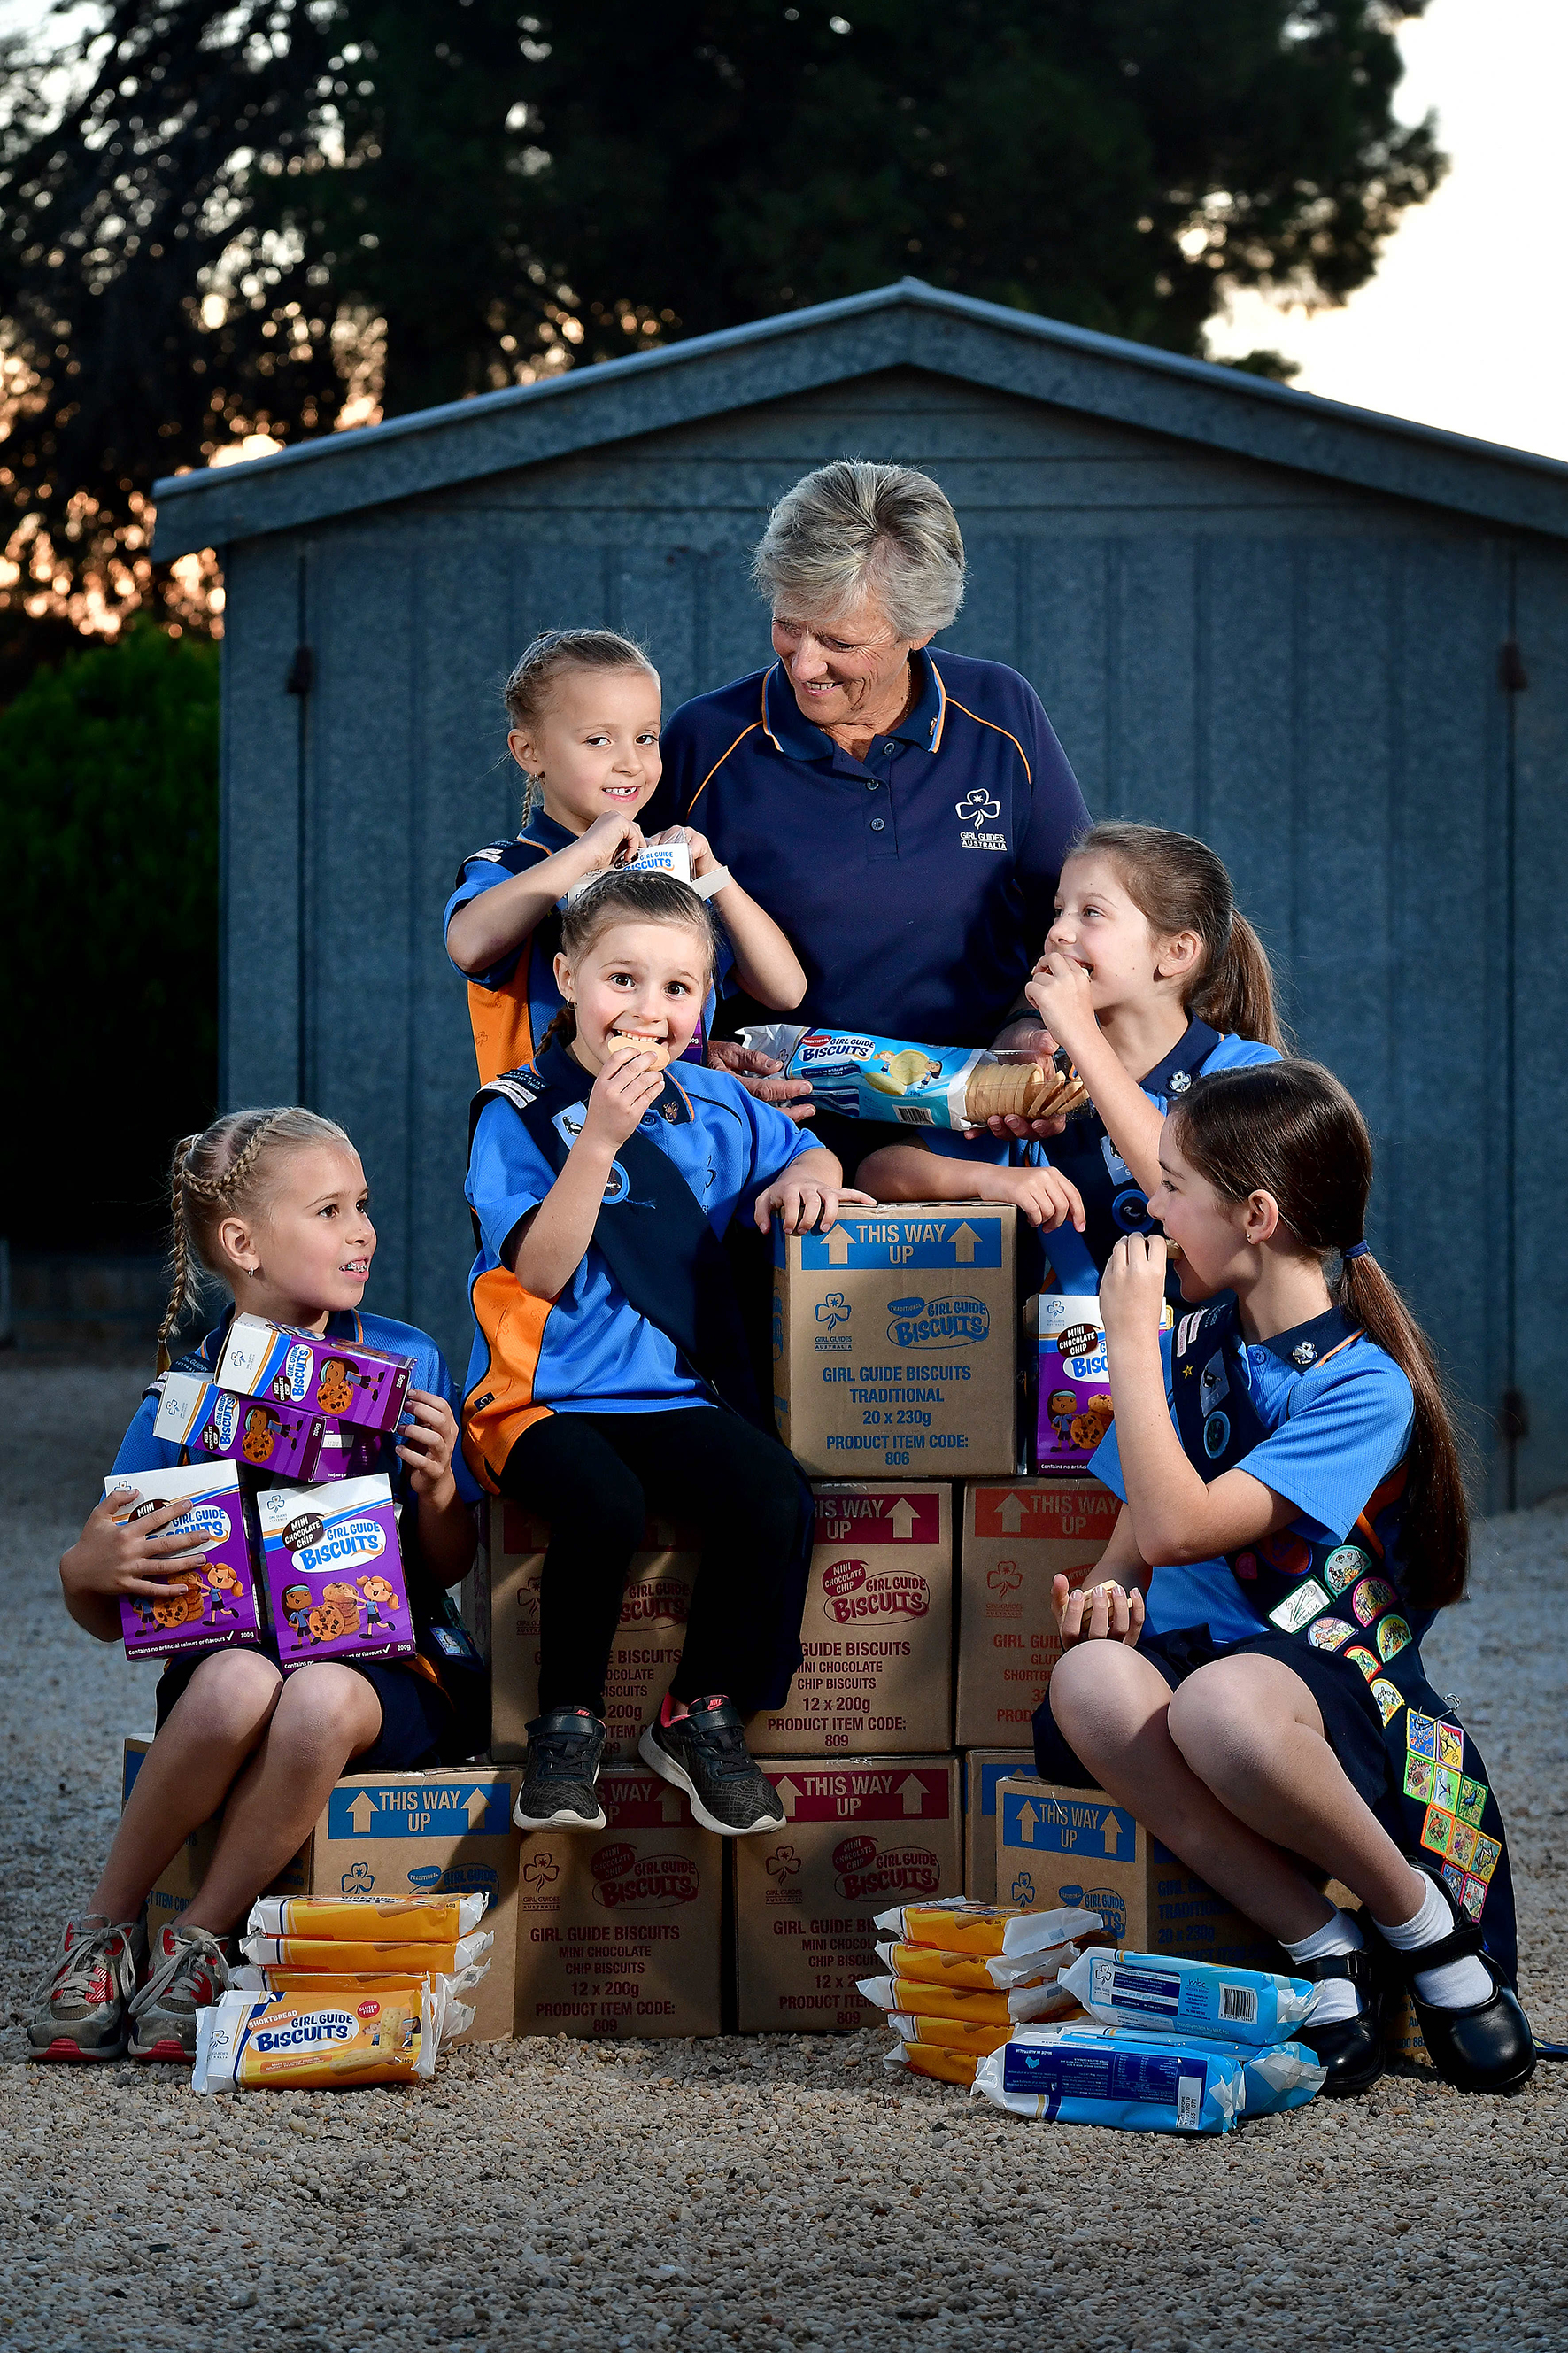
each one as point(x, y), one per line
point(913, 1115)
point(1240, 2002)
point(1189, 2101)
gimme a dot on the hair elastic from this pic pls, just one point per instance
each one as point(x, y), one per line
point(1356, 1249)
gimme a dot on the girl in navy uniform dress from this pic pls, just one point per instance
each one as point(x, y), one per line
point(584, 711)
point(1295, 1516)
point(610, 1372)
point(275, 1204)
point(1150, 977)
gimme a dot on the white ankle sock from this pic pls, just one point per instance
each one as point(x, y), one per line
point(1455, 1985)
point(1337, 1998)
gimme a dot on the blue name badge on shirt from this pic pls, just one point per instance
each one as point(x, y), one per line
point(1085, 1826)
point(419, 1809)
point(894, 1243)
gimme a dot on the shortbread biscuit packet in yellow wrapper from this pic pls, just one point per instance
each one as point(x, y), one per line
point(452, 2016)
point(368, 1919)
point(949, 2033)
point(975, 1972)
point(957, 1925)
point(931, 2059)
point(315, 2042)
point(315, 1952)
point(1023, 2005)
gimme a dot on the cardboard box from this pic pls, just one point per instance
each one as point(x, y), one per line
point(1075, 1846)
point(876, 1676)
point(983, 1769)
point(1013, 1541)
point(216, 1606)
point(447, 1832)
point(618, 1929)
point(643, 1657)
point(859, 1837)
point(896, 1342)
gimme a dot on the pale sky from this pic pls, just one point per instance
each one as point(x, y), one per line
point(1466, 323)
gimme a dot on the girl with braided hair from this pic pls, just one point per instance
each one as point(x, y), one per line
point(274, 1204)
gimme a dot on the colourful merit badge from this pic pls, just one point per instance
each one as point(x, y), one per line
point(211, 1605)
point(1344, 1566)
point(334, 1572)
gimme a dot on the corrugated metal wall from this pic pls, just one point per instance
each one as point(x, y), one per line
point(1307, 675)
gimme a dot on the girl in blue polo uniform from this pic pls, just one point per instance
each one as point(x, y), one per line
point(1295, 1514)
point(609, 1371)
point(274, 1204)
point(1149, 977)
point(584, 710)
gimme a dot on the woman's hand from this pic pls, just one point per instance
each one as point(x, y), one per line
point(1097, 1613)
point(119, 1556)
point(805, 1206)
point(1060, 992)
point(626, 1087)
point(1133, 1288)
point(1006, 1126)
point(428, 1438)
point(755, 1071)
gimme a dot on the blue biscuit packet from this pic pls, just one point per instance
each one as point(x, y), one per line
point(1133, 2083)
point(1184, 1996)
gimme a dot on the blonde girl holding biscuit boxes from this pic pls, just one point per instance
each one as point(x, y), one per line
point(585, 712)
point(273, 1203)
point(610, 1374)
point(1149, 977)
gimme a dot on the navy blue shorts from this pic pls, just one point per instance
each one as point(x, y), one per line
point(415, 1715)
point(1352, 1721)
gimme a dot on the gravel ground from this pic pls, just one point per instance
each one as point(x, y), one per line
point(764, 2191)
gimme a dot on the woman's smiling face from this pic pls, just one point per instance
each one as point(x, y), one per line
point(845, 665)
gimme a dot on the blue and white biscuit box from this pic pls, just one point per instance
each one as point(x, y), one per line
point(896, 1342)
point(1056, 1846)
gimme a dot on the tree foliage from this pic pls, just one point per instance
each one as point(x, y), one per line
point(268, 216)
point(108, 950)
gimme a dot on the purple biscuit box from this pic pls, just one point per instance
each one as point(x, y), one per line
point(211, 1422)
point(1075, 1410)
point(334, 1572)
point(349, 1453)
point(214, 1606)
point(340, 1378)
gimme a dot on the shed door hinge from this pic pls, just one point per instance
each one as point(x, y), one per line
point(301, 672)
point(1512, 676)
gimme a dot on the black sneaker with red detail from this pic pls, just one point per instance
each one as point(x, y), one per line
point(705, 1754)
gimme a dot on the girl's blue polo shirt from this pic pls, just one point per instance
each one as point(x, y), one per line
point(913, 883)
point(1336, 1429)
point(597, 1353)
point(140, 1451)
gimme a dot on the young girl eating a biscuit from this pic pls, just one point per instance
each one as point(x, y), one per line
point(274, 1204)
point(1150, 977)
point(585, 710)
point(1243, 1666)
point(610, 1374)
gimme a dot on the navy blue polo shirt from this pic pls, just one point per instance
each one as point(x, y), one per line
point(916, 885)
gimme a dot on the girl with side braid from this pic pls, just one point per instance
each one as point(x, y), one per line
point(274, 1204)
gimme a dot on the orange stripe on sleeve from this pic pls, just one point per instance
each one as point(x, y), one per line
point(954, 704)
point(500, 1406)
point(718, 763)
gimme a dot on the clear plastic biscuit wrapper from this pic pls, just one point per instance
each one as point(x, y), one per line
point(1020, 2006)
point(254, 2042)
point(889, 1079)
point(1004, 1931)
point(975, 1972)
point(1134, 2082)
point(1206, 1997)
point(313, 1954)
point(367, 1919)
point(973, 2035)
point(452, 2016)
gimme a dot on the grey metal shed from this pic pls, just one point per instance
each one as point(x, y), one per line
point(1333, 643)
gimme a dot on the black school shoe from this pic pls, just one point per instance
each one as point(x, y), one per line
point(565, 1750)
point(706, 1755)
point(1487, 2048)
point(1349, 2048)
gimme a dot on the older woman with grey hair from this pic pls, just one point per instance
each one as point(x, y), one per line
point(902, 812)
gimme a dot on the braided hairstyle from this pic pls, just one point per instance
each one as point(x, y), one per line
point(542, 663)
point(215, 1174)
point(630, 894)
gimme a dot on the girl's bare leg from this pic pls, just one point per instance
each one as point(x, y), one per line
point(216, 1722)
point(1121, 1718)
point(325, 1715)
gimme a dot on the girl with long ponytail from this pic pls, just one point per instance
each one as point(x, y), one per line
point(1243, 1667)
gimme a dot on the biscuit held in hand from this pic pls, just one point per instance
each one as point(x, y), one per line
point(620, 1044)
point(1107, 1612)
